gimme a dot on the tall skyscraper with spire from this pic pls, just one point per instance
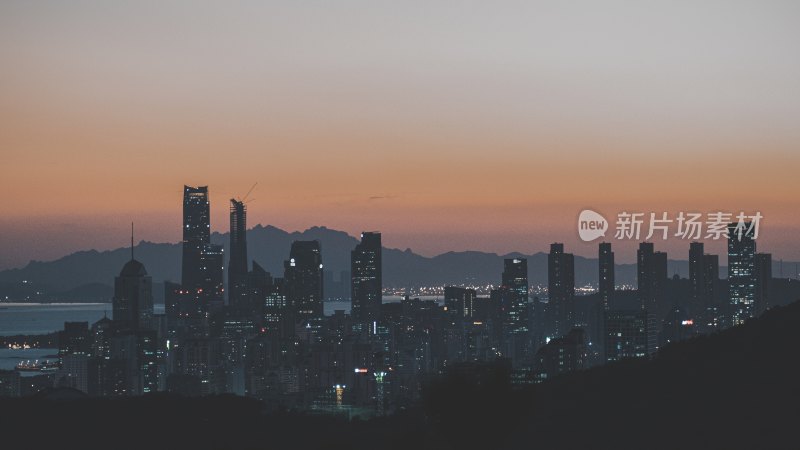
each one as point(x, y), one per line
point(366, 278)
point(132, 304)
point(237, 266)
point(196, 236)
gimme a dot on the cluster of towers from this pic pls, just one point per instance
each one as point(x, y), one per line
point(267, 336)
point(212, 339)
point(298, 295)
point(634, 323)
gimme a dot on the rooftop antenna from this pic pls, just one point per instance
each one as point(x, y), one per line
point(131, 241)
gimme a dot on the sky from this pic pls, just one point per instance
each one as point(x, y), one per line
point(449, 125)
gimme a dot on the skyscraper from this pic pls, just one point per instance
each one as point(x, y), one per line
point(275, 310)
point(651, 268)
point(303, 277)
point(133, 323)
point(606, 275)
point(237, 266)
point(133, 297)
point(561, 289)
point(697, 271)
point(713, 309)
point(460, 302)
point(515, 278)
point(366, 278)
point(763, 274)
point(132, 305)
point(259, 283)
point(74, 339)
point(703, 285)
point(212, 271)
point(741, 272)
point(196, 235)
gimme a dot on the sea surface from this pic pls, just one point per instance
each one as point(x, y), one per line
point(43, 318)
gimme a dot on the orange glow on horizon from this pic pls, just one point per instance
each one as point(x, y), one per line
point(444, 134)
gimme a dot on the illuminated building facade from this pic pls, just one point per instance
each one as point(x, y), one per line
point(741, 272)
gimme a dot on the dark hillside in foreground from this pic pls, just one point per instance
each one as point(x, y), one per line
point(736, 389)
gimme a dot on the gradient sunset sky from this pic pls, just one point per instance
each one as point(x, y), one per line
point(447, 125)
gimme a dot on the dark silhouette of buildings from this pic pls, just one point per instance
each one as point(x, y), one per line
point(704, 285)
point(212, 289)
point(561, 355)
point(715, 309)
point(629, 334)
point(273, 342)
point(238, 295)
point(133, 296)
point(277, 316)
point(252, 305)
point(460, 302)
point(366, 270)
point(196, 235)
point(303, 277)
point(74, 339)
point(763, 276)
point(606, 277)
point(473, 405)
point(697, 275)
point(678, 326)
point(561, 289)
point(651, 270)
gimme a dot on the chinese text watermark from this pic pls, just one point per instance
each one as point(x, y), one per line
point(683, 225)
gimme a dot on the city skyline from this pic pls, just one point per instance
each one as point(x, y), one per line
point(399, 225)
point(446, 115)
point(210, 340)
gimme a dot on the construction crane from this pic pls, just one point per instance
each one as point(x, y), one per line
point(244, 199)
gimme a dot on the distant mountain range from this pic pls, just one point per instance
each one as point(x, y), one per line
point(89, 275)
